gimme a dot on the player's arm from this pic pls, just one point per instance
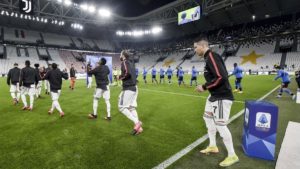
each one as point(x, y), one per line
point(218, 73)
point(65, 75)
point(8, 77)
point(278, 76)
point(125, 74)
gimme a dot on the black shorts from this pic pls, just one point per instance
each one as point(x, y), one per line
point(153, 76)
point(180, 78)
point(162, 76)
point(285, 85)
point(194, 78)
point(238, 80)
point(169, 77)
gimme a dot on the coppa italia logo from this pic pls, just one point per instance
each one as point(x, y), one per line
point(26, 6)
point(263, 121)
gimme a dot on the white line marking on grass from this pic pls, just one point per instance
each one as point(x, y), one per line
point(182, 94)
point(190, 147)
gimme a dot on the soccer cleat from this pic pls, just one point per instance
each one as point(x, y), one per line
point(235, 90)
point(278, 96)
point(240, 92)
point(136, 128)
point(92, 116)
point(229, 161)
point(139, 131)
point(61, 114)
point(50, 112)
point(210, 149)
point(15, 101)
point(107, 118)
point(29, 108)
point(25, 108)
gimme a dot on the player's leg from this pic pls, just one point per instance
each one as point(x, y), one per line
point(97, 96)
point(55, 97)
point(18, 92)
point(239, 82)
point(13, 90)
point(288, 91)
point(211, 128)
point(127, 100)
point(221, 114)
point(24, 92)
point(31, 94)
point(279, 95)
point(106, 96)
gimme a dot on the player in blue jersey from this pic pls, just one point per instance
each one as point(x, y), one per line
point(162, 75)
point(285, 79)
point(145, 75)
point(194, 76)
point(180, 76)
point(238, 73)
point(169, 74)
point(153, 73)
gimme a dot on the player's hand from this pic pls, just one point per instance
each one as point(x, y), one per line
point(199, 89)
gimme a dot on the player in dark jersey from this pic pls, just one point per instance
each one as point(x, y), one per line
point(218, 104)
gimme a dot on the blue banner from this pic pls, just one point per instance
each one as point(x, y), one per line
point(94, 60)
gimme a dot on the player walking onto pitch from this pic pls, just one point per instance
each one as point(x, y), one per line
point(38, 88)
point(285, 79)
point(28, 82)
point(145, 75)
point(13, 78)
point(238, 73)
point(54, 77)
point(154, 75)
point(170, 74)
point(194, 76)
point(218, 104)
point(101, 73)
point(162, 75)
point(128, 96)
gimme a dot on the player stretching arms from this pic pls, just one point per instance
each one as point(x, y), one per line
point(218, 104)
point(145, 75)
point(54, 77)
point(238, 72)
point(101, 73)
point(162, 75)
point(154, 75)
point(170, 74)
point(180, 76)
point(128, 96)
point(194, 76)
point(13, 78)
point(285, 78)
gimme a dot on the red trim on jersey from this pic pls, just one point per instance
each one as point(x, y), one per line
point(217, 70)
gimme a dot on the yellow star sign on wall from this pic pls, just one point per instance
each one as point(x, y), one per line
point(252, 57)
point(168, 62)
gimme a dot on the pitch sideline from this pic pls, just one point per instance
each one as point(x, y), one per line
point(190, 147)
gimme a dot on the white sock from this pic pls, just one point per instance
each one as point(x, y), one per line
point(129, 115)
point(13, 95)
point(23, 97)
point(31, 100)
point(18, 96)
point(227, 139)
point(57, 106)
point(107, 107)
point(95, 106)
point(52, 107)
point(211, 130)
point(134, 113)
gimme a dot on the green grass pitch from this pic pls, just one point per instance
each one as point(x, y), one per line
point(171, 121)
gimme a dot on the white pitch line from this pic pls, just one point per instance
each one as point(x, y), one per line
point(190, 147)
point(182, 94)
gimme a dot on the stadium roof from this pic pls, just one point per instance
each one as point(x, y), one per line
point(130, 14)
